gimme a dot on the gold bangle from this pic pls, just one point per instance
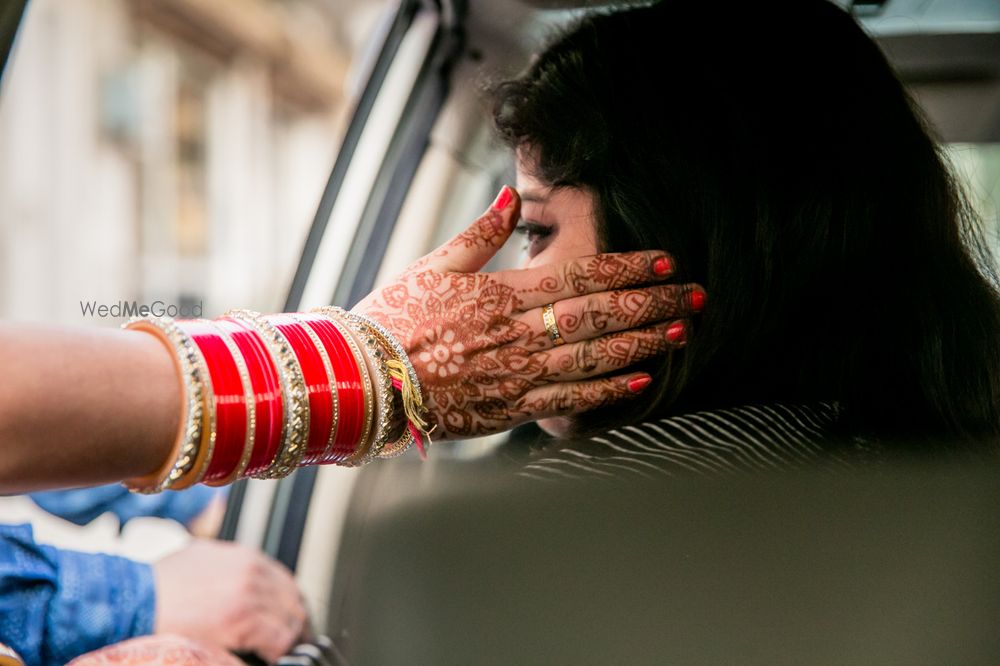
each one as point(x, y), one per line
point(331, 381)
point(399, 367)
point(189, 440)
point(251, 407)
point(391, 344)
point(383, 388)
point(294, 395)
point(208, 428)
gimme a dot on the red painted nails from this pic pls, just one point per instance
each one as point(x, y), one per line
point(662, 266)
point(504, 198)
point(677, 332)
point(696, 300)
point(637, 384)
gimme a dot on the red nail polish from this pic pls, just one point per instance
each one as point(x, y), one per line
point(696, 299)
point(677, 332)
point(639, 383)
point(504, 198)
point(662, 266)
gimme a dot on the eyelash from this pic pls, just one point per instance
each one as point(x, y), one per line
point(533, 233)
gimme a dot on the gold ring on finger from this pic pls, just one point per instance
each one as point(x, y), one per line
point(549, 319)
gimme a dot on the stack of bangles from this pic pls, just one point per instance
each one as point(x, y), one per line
point(264, 395)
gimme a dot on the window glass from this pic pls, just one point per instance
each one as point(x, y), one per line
point(978, 168)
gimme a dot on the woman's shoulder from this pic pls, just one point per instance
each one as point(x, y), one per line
point(713, 442)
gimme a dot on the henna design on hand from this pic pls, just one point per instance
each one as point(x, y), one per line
point(478, 358)
point(579, 397)
point(618, 310)
point(607, 271)
point(478, 343)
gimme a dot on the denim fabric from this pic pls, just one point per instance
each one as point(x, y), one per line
point(57, 604)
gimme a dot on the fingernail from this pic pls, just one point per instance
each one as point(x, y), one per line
point(696, 300)
point(662, 266)
point(677, 332)
point(639, 383)
point(504, 198)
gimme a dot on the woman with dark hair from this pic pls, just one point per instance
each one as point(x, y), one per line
point(771, 149)
point(790, 177)
point(787, 171)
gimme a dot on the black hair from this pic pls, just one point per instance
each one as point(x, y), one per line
point(771, 149)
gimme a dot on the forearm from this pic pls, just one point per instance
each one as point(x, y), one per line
point(91, 406)
point(82, 406)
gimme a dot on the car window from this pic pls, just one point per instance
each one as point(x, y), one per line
point(463, 167)
point(978, 168)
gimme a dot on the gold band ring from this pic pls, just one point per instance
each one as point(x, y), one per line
point(549, 319)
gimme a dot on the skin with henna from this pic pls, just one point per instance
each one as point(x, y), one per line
point(83, 406)
point(478, 342)
point(558, 224)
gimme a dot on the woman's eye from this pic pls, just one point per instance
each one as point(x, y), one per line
point(536, 236)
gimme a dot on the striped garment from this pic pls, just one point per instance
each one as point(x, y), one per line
point(708, 443)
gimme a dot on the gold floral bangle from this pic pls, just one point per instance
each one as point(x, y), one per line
point(331, 379)
point(251, 407)
point(193, 378)
point(383, 388)
point(382, 346)
point(393, 345)
point(402, 369)
point(294, 393)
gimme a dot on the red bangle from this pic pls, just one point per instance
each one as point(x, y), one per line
point(228, 400)
point(266, 390)
point(249, 400)
point(349, 380)
point(349, 389)
point(317, 384)
point(330, 388)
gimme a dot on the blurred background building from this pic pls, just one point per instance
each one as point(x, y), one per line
point(170, 150)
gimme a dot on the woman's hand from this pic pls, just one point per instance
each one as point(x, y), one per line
point(479, 344)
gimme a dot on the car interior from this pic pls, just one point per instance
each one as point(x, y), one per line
point(456, 560)
point(388, 545)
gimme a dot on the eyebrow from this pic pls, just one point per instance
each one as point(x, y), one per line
point(535, 196)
